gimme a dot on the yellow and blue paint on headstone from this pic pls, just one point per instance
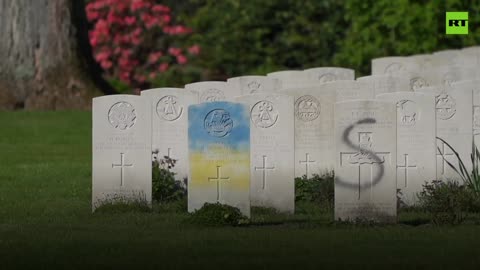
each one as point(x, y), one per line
point(219, 153)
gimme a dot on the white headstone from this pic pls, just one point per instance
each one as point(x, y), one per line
point(330, 74)
point(454, 125)
point(416, 142)
point(449, 57)
point(292, 79)
point(473, 54)
point(122, 155)
point(392, 65)
point(314, 138)
point(219, 151)
point(170, 125)
point(254, 84)
point(349, 90)
point(210, 91)
point(365, 170)
point(446, 75)
point(271, 151)
point(473, 85)
point(386, 83)
point(422, 62)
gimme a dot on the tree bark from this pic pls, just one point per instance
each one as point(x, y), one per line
point(45, 58)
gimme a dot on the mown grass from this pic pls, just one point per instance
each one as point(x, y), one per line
point(46, 222)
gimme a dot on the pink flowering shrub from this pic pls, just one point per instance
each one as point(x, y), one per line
point(135, 41)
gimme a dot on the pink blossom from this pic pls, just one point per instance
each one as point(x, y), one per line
point(106, 64)
point(139, 4)
point(130, 20)
point(181, 59)
point(140, 78)
point(153, 57)
point(174, 51)
point(152, 75)
point(117, 38)
point(102, 56)
point(163, 67)
point(160, 8)
point(125, 76)
point(166, 19)
point(177, 30)
point(195, 50)
point(92, 15)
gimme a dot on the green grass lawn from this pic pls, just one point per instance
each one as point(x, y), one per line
point(46, 222)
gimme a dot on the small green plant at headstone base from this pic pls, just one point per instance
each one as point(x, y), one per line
point(471, 179)
point(123, 205)
point(217, 214)
point(164, 186)
point(317, 189)
point(446, 202)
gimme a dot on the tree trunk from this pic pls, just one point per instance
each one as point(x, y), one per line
point(45, 58)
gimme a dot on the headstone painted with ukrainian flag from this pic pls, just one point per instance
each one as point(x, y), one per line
point(219, 153)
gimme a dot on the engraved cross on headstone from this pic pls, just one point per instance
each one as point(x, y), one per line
point(405, 167)
point(264, 169)
point(363, 157)
point(441, 153)
point(307, 162)
point(122, 165)
point(217, 179)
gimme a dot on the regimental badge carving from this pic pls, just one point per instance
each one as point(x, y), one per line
point(168, 108)
point(307, 108)
point(418, 83)
point(264, 114)
point(476, 119)
point(122, 115)
point(253, 87)
point(394, 67)
point(365, 155)
point(327, 77)
point(218, 123)
point(407, 112)
point(445, 106)
point(449, 78)
point(212, 95)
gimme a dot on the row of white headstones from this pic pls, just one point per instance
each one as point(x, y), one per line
point(378, 133)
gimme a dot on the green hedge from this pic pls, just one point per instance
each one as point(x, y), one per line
point(240, 37)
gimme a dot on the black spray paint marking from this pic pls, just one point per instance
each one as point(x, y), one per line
point(378, 160)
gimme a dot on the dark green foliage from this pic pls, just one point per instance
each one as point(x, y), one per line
point(178, 76)
point(318, 190)
point(175, 206)
point(242, 37)
point(123, 206)
point(402, 27)
point(164, 186)
point(216, 214)
point(448, 202)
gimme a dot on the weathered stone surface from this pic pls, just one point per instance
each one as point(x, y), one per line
point(454, 125)
point(416, 142)
point(254, 84)
point(210, 91)
point(314, 137)
point(219, 152)
point(365, 169)
point(271, 151)
point(170, 125)
point(122, 155)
